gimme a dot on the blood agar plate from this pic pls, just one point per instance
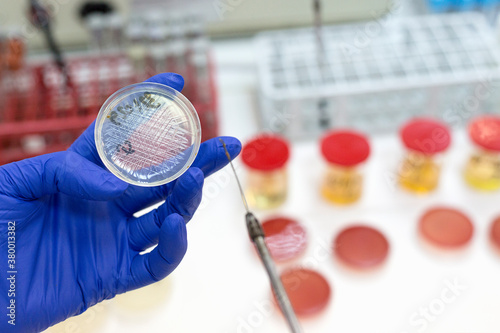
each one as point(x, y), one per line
point(147, 134)
point(495, 232)
point(446, 227)
point(285, 238)
point(308, 291)
point(361, 247)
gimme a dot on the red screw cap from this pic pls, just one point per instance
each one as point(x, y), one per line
point(426, 136)
point(346, 148)
point(266, 152)
point(485, 132)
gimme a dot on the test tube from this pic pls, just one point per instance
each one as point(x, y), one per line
point(15, 52)
point(345, 151)
point(425, 139)
point(96, 23)
point(115, 26)
point(177, 49)
point(199, 65)
point(158, 36)
point(266, 157)
point(195, 27)
point(2, 53)
point(136, 50)
point(483, 168)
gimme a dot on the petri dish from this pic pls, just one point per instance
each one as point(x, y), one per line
point(285, 238)
point(147, 134)
point(308, 291)
point(361, 247)
point(446, 227)
point(495, 233)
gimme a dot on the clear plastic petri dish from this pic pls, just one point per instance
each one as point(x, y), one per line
point(147, 134)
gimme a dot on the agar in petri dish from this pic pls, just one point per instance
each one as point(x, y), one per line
point(361, 247)
point(285, 238)
point(495, 232)
point(308, 291)
point(147, 134)
point(446, 227)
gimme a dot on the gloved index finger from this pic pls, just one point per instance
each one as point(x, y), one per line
point(85, 144)
point(212, 156)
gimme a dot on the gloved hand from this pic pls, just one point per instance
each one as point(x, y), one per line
point(76, 242)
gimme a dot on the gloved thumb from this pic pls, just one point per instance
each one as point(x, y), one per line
point(65, 172)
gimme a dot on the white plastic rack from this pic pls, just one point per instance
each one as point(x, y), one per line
point(376, 75)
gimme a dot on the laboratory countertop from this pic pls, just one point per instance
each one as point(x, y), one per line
point(222, 287)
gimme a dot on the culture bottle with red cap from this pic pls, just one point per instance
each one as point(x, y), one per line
point(424, 138)
point(344, 151)
point(483, 168)
point(267, 181)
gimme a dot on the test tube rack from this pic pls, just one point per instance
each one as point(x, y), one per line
point(376, 75)
point(39, 114)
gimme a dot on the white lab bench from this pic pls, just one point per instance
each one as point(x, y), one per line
point(221, 286)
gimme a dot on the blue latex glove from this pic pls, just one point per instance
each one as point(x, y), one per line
point(76, 241)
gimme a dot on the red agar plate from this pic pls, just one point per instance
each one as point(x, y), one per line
point(361, 247)
point(285, 238)
point(446, 227)
point(495, 232)
point(309, 292)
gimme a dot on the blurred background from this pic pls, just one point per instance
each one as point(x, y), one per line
point(298, 69)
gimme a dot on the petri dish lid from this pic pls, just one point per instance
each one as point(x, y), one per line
point(285, 238)
point(308, 290)
point(361, 247)
point(485, 132)
point(425, 135)
point(346, 148)
point(266, 152)
point(446, 227)
point(147, 134)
